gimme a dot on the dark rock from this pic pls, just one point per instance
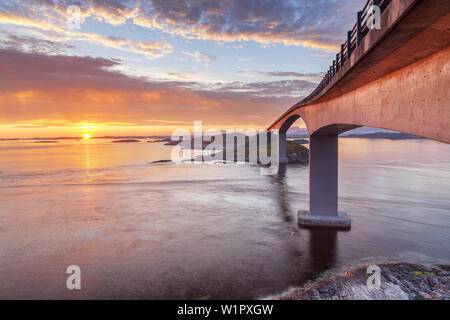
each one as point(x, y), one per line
point(171, 143)
point(298, 157)
point(297, 153)
point(399, 281)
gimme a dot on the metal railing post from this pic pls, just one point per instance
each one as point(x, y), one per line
point(357, 34)
point(359, 28)
point(349, 44)
point(337, 62)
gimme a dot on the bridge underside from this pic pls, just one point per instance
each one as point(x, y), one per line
point(412, 99)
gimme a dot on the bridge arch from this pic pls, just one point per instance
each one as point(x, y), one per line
point(288, 123)
point(394, 78)
point(336, 129)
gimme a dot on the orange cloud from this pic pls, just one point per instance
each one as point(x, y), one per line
point(52, 26)
point(58, 90)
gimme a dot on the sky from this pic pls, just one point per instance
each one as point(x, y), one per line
point(150, 67)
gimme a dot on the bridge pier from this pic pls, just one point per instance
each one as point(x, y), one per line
point(323, 185)
point(282, 148)
point(392, 78)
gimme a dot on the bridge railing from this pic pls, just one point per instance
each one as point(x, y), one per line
point(354, 38)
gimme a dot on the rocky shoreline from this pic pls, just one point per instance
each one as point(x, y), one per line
point(399, 281)
point(295, 151)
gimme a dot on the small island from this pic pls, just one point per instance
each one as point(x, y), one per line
point(45, 141)
point(126, 141)
point(381, 135)
point(160, 161)
point(159, 140)
point(296, 152)
point(300, 141)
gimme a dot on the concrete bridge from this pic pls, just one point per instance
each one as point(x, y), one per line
point(396, 77)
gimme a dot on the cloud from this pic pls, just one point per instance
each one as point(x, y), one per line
point(177, 75)
point(49, 21)
point(313, 23)
point(315, 76)
point(245, 59)
point(288, 74)
point(318, 24)
point(41, 89)
point(283, 88)
point(31, 44)
point(30, 126)
point(201, 57)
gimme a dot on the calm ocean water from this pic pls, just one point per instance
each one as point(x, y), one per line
point(215, 231)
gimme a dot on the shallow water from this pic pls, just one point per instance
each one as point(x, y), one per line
point(204, 231)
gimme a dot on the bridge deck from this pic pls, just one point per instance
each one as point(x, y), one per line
point(411, 30)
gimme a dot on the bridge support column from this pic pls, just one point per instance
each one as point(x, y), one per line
point(282, 148)
point(323, 185)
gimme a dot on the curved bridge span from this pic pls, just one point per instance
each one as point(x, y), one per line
point(396, 77)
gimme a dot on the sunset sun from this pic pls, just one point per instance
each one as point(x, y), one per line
point(86, 136)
